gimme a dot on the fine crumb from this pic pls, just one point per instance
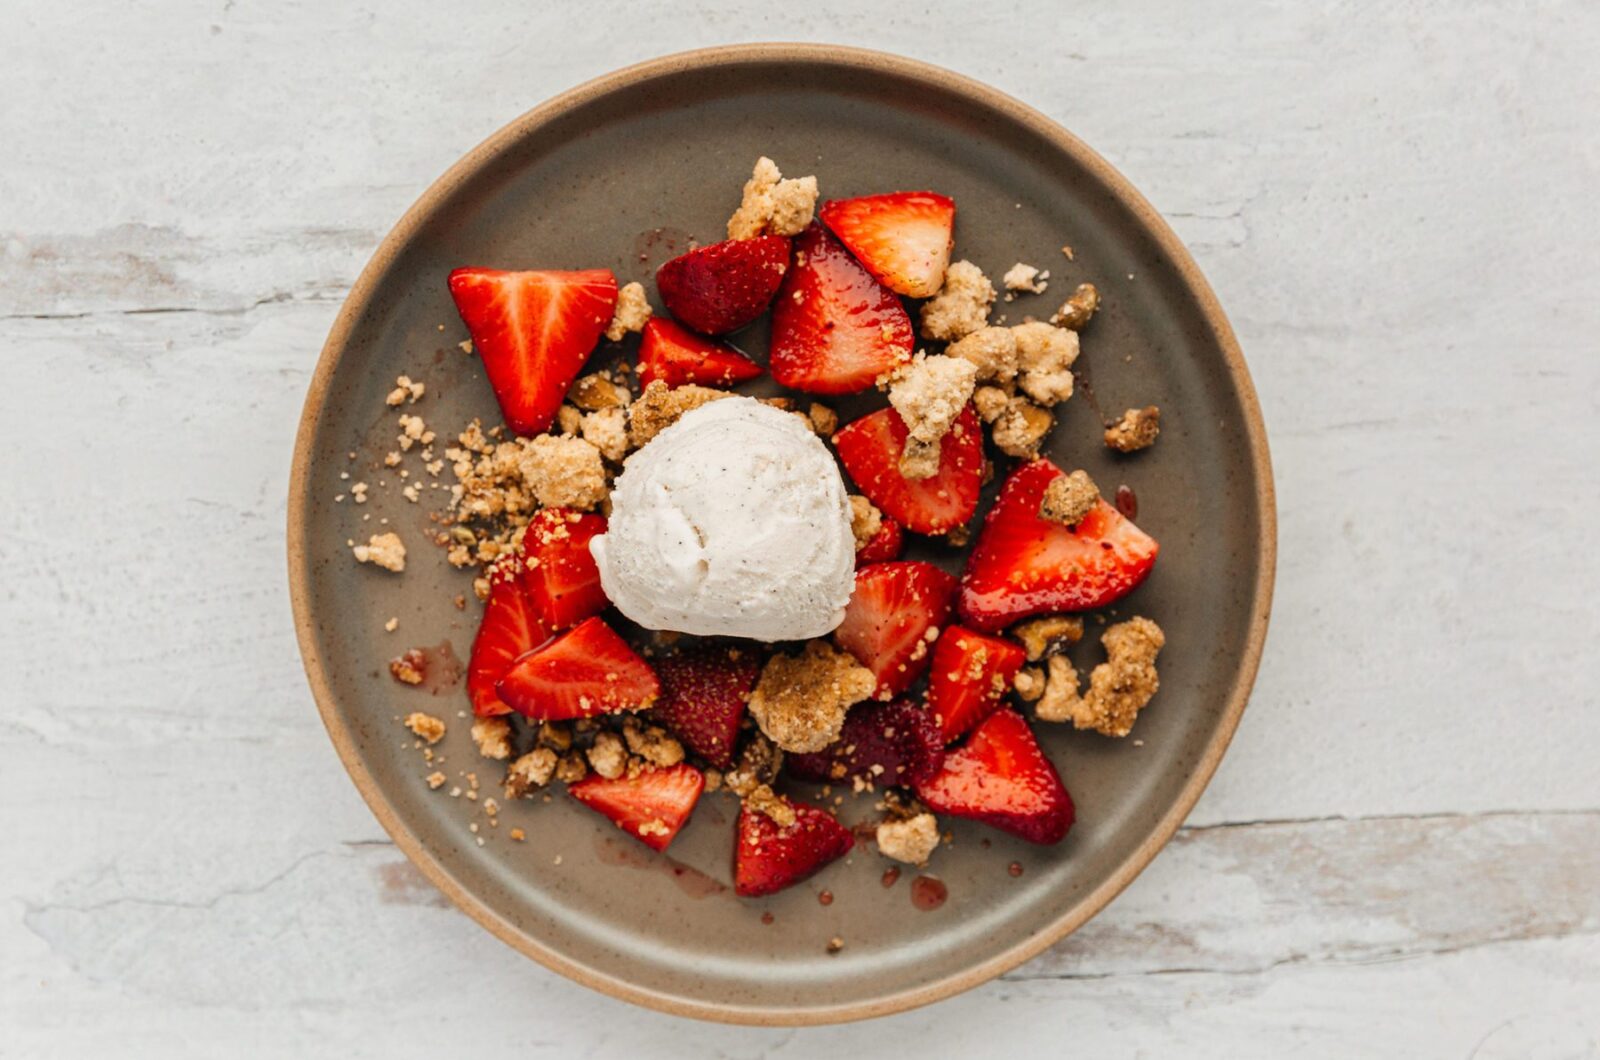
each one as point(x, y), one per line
point(1045, 355)
point(911, 840)
point(835, 944)
point(652, 743)
point(493, 737)
point(1048, 634)
point(1029, 683)
point(1079, 307)
point(929, 393)
point(1068, 498)
point(607, 431)
point(800, 700)
point(762, 799)
point(465, 345)
point(426, 726)
point(407, 668)
point(608, 756)
point(391, 625)
point(384, 550)
point(1118, 688)
point(1136, 430)
point(865, 520)
point(1067, 250)
point(1023, 277)
point(530, 772)
point(633, 309)
point(961, 306)
point(660, 406)
point(405, 390)
point(435, 780)
point(773, 205)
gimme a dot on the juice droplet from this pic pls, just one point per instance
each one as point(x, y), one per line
point(826, 897)
point(1015, 868)
point(890, 875)
point(928, 893)
point(1127, 502)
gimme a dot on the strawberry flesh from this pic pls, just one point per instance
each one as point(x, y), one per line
point(703, 695)
point(885, 545)
point(560, 574)
point(510, 628)
point(888, 620)
point(652, 806)
point(1002, 778)
point(724, 286)
point(767, 858)
point(870, 449)
point(894, 743)
point(903, 238)
point(533, 331)
point(586, 671)
point(1026, 565)
point(676, 356)
point(969, 677)
point(835, 329)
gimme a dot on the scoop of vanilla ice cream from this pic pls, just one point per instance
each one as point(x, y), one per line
point(733, 521)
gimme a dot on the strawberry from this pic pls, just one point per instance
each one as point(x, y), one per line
point(1026, 565)
point(703, 696)
point(835, 329)
point(880, 743)
point(533, 331)
point(1002, 779)
point(892, 619)
point(885, 545)
point(510, 628)
point(652, 806)
point(768, 858)
point(587, 671)
point(676, 356)
point(903, 238)
point(970, 675)
point(726, 285)
point(557, 569)
point(870, 450)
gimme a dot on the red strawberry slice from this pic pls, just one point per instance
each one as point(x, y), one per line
point(1025, 565)
point(835, 329)
point(726, 285)
point(676, 355)
point(768, 858)
point(533, 331)
point(903, 238)
point(1002, 779)
point(886, 625)
point(510, 629)
point(652, 807)
point(703, 695)
point(870, 450)
point(585, 672)
point(970, 675)
point(894, 743)
point(885, 545)
point(557, 569)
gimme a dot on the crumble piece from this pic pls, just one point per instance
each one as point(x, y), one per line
point(608, 756)
point(1118, 688)
point(407, 668)
point(1043, 636)
point(991, 402)
point(607, 431)
point(633, 309)
point(835, 944)
point(713, 778)
point(530, 772)
point(404, 390)
point(961, 306)
point(652, 743)
point(992, 350)
point(773, 205)
point(865, 520)
point(391, 625)
point(562, 472)
point(597, 391)
point(929, 393)
point(385, 550)
point(759, 762)
point(1020, 428)
point(1069, 498)
point(435, 780)
point(1136, 430)
point(800, 700)
point(763, 799)
point(571, 768)
point(569, 419)
point(1079, 307)
point(1066, 249)
point(824, 421)
point(426, 726)
point(1029, 683)
point(1023, 277)
point(413, 430)
point(555, 735)
point(911, 840)
point(359, 492)
point(660, 406)
point(493, 737)
point(1045, 355)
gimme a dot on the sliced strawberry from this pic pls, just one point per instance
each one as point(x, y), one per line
point(970, 675)
point(726, 285)
point(1002, 778)
point(903, 238)
point(870, 450)
point(835, 329)
point(585, 672)
point(652, 806)
point(560, 575)
point(676, 356)
point(510, 628)
point(767, 858)
point(885, 545)
point(894, 743)
point(892, 619)
point(703, 695)
point(533, 331)
point(1025, 565)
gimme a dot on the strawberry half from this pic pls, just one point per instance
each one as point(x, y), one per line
point(676, 355)
point(703, 695)
point(870, 449)
point(835, 329)
point(587, 671)
point(533, 331)
point(652, 807)
point(894, 743)
point(970, 675)
point(560, 575)
point(885, 545)
point(1025, 565)
point(726, 285)
point(510, 628)
point(1002, 779)
point(767, 858)
point(903, 238)
point(887, 622)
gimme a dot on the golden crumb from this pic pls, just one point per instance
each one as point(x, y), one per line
point(572, 767)
point(407, 668)
point(762, 799)
point(801, 700)
point(1068, 498)
point(493, 737)
point(1026, 278)
point(1048, 634)
point(1118, 688)
point(865, 520)
point(633, 309)
point(1020, 428)
point(608, 756)
point(426, 726)
point(405, 390)
point(773, 205)
point(835, 944)
point(660, 406)
point(1136, 430)
point(435, 780)
point(992, 351)
point(607, 431)
point(1045, 355)
point(384, 550)
point(929, 393)
point(391, 625)
point(652, 743)
point(529, 773)
point(518, 835)
point(1079, 308)
point(910, 840)
point(596, 391)
point(759, 762)
point(1029, 683)
point(824, 421)
point(961, 306)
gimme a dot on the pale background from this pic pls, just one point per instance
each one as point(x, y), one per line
point(1396, 203)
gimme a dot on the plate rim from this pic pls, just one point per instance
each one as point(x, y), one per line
point(867, 60)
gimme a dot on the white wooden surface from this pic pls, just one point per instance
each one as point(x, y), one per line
point(1401, 854)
